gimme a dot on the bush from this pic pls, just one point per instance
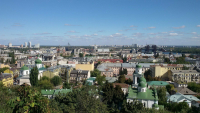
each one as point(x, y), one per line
point(56, 80)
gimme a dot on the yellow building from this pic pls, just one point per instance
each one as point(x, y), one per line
point(164, 70)
point(2, 66)
point(89, 66)
point(52, 71)
point(7, 79)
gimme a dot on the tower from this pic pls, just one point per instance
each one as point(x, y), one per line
point(25, 44)
point(136, 75)
point(29, 44)
point(38, 63)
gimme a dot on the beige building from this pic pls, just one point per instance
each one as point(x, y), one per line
point(185, 75)
point(3, 65)
point(89, 66)
point(164, 70)
point(52, 71)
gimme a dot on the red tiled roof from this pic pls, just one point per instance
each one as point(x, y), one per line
point(111, 60)
point(123, 85)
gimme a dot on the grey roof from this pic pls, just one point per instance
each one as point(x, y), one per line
point(52, 68)
point(111, 64)
point(185, 71)
point(111, 79)
point(103, 68)
point(129, 65)
point(79, 71)
point(185, 91)
point(178, 97)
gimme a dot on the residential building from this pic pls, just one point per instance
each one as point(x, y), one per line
point(3, 65)
point(50, 94)
point(189, 99)
point(52, 71)
point(185, 91)
point(91, 81)
point(110, 60)
point(79, 75)
point(89, 66)
point(123, 86)
point(7, 79)
point(164, 70)
point(25, 44)
point(105, 71)
point(29, 44)
point(185, 75)
point(10, 45)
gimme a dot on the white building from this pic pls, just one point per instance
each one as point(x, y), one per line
point(25, 44)
point(29, 44)
point(37, 45)
point(10, 45)
point(141, 93)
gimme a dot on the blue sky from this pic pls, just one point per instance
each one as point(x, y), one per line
point(101, 22)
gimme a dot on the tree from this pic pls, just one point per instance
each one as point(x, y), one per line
point(100, 79)
point(66, 85)
point(183, 55)
point(121, 79)
point(191, 56)
point(124, 60)
point(118, 96)
point(45, 84)
point(125, 71)
point(29, 99)
point(170, 88)
point(161, 91)
point(34, 76)
point(56, 80)
point(167, 60)
point(95, 73)
point(80, 54)
point(129, 81)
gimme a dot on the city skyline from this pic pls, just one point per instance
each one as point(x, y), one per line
point(105, 22)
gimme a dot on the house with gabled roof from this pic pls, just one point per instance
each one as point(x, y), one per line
point(189, 99)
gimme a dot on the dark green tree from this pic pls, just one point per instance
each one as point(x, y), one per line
point(45, 84)
point(66, 85)
point(124, 60)
point(100, 79)
point(95, 73)
point(121, 79)
point(170, 88)
point(125, 71)
point(34, 76)
point(80, 54)
point(56, 80)
point(129, 81)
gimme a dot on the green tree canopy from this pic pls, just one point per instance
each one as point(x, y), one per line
point(56, 80)
point(95, 73)
point(80, 54)
point(66, 85)
point(121, 79)
point(100, 79)
point(34, 76)
point(45, 84)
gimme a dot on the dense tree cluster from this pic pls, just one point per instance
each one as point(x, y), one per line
point(194, 87)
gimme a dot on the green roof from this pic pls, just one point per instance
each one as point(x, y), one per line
point(138, 66)
point(24, 68)
point(142, 79)
point(92, 78)
point(142, 84)
point(42, 68)
point(38, 61)
point(47, 92)
point(157, 83)
point(148, 95)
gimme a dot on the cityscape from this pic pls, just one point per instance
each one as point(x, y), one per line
point(102, 56)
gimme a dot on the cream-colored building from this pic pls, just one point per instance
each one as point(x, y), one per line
point(185, 75)
point(89, 66)
point(164, 70)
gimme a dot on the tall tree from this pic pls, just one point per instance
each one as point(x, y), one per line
point(56, 80)
point(121, 79)
point(95, 73)
point(34, 76)
point(100, 79)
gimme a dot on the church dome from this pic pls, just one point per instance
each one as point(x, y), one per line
point(38, 61)
point(142, 79)
point(142, 84)
point(24, 68)
point(138, 66)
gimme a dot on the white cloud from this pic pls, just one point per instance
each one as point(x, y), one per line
point(173, 34)
point(72, 31)
point(152, 33)
point(198, 25)
point(194, 32)
point(181, 27)
point(133, 26)
point(95, 34)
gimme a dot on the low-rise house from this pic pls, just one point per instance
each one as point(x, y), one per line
point(123, 86)
point(178, 84)
point(88, 66)
point(91, 81)
point(111, 79)
point(7, 79)
point(79, 75)
point(50, 94)
point(157, 84)
point(185, 75)
point(189, 99)
point(185, 91)
point(106, 71)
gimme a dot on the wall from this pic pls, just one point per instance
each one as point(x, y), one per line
point(89, 67)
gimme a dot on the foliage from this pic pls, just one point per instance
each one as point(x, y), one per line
point(181, 60)
point(81, 101)
point(191, 56)
point(194, 87)
point(129, 81)
point(167, 60)
point(56, 80)
point(121, 79)
point(66, 85)
point(34, 76)
point(45, 78)
point(170, 88)
point(161, 91)
point(12, 55)
point(131, 107)
point(3, 69)
point(100, 79)
point(29, 100)
point(45, 84)
point(183, 55)
point(124, 60)
point(150, 78)
point(95, 73)
point(80, 54)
